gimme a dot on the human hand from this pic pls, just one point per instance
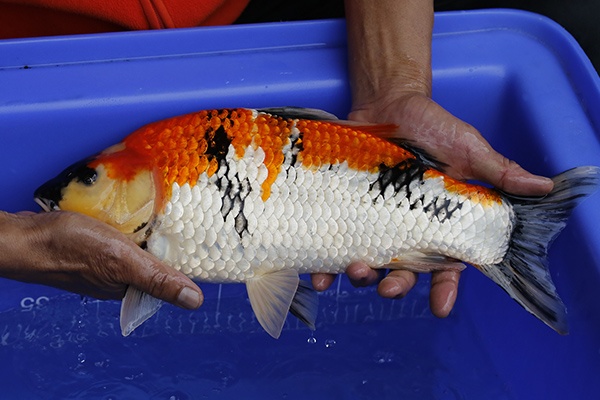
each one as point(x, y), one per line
point(397, 284)
point(77, 253)
point(458, 145)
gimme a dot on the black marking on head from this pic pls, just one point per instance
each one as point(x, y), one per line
point(51, 191)
point(87, 176)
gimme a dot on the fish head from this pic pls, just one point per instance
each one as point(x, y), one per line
point(116, 186)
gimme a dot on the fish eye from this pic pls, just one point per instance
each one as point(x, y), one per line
point(87, 176)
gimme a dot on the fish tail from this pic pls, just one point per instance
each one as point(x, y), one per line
point(523, 273)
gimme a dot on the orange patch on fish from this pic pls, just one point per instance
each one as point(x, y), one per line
point(271, 135)
point(330, 143)
point(123, 164)
point(185, 147)
point(475, 193)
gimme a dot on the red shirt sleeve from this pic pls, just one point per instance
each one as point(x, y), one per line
point(30, 18)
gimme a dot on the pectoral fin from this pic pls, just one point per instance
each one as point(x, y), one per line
point(271, 296)
point(136, 308)
point(423, 263)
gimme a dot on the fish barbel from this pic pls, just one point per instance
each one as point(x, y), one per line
point(261, 196)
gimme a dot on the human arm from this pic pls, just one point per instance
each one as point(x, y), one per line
point(79, 254)
point(389, 46)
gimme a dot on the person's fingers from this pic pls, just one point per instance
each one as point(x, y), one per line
point(321, 282)
point(361, 275)
point(457, 144)
point(444, 289)
point(508, 176)
point(151, 276)
point(397, 284)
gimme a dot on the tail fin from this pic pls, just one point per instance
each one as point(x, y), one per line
point(523, 273)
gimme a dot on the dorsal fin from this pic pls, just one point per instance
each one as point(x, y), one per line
point(299, 113)
point(426, 158)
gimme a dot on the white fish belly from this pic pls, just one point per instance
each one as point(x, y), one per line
point(320, 220)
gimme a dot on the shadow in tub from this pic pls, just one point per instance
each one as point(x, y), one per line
point(364, 346)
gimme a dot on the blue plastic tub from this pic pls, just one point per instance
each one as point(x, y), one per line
point(518, 77)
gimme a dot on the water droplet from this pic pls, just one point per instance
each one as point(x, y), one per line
point(383, 357)
point(312, 340)
point(81, 358)
point(102, 364)
point(329, 343)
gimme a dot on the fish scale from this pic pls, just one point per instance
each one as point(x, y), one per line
point(261, 196)
point(266, 245)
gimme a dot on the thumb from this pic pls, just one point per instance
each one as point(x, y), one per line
point(490, 166)
point(166, 283)
point(510, 177)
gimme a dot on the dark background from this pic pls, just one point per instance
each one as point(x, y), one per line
point(579, 17)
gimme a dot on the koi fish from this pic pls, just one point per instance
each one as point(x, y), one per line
point(261, 196)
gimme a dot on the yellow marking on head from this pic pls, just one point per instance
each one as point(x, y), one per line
point(127, 205)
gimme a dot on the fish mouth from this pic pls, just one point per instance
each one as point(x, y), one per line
point(47, 204)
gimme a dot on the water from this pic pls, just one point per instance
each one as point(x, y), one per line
point(364, 347)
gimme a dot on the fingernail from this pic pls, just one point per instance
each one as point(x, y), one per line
point(189, 298)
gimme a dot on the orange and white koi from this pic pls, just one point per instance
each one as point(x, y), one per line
point(261, 196)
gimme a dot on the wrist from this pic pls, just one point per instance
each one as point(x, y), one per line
point(17, 249)
point(10, 238)
point(391, 107)
point(389, 48)
point(401, 86)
